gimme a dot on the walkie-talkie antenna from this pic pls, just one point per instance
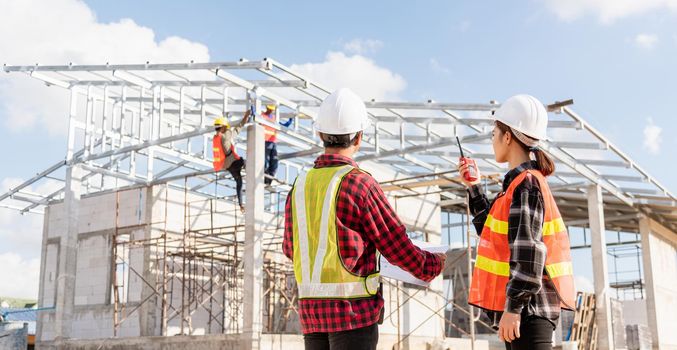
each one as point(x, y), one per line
point(459, 146)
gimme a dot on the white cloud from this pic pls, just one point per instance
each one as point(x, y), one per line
point(646, 41)
point(63, 31)
point(652, 137)
point(20, 277)
point(22, 234)
point(356, 72)
point(362, 46)
point(58, 32)
point(606, 11)
point(437, 67)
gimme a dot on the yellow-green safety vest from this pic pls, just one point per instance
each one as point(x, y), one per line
point(319, 270)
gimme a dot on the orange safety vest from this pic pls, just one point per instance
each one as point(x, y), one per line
point(219, 154)
point(492, 266)
point(271, 133)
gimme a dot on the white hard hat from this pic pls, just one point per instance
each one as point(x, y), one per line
point(342, 112)
point(525, 114)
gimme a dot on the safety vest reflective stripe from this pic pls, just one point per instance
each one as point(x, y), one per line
point(556, 270)
point(495, 225)
point(549, 228)
point(332, 290)
point(503, 268)
point(301, 222)
point(493, 266)
point(319, 270)
point(554, 226)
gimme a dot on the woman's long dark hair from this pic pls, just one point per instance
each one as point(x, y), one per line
point(545, 163)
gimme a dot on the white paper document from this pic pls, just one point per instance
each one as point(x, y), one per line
point(391, 271)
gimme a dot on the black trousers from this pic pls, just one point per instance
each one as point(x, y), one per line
point(271, 161)
point(235, 170)
point(535, 334)
point(357, 339)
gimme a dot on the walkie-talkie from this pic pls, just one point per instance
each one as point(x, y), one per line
point(471, 174)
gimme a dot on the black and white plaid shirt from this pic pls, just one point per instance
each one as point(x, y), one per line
point(529, 291)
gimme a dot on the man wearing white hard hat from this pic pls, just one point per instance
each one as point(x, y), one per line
point(523, 275)
point(336, 220)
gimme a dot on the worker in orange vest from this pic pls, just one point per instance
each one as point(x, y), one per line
point(271, 159)
point(225, 156)
point(523, 275)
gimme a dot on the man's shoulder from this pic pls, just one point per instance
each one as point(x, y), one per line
point(362, 179)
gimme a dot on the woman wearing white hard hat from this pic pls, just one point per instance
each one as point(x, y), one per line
point(523, 275)
point(338, 216)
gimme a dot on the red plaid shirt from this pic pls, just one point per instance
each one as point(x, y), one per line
point(366, 223)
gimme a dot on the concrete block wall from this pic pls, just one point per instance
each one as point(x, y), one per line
point(132, 207)
point(48, 282)
point(97, 213)
point(93, 322)
point(93, 313)
point(137, 265)
point(168, 206)
point(659, 258)
point(56, 221)
point(45, 327)
point(92, 281)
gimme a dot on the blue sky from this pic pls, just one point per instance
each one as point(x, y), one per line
point(484, 50)
point(615, 59)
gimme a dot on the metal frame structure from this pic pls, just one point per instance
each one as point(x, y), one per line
point(147, 124)
point(144, 124)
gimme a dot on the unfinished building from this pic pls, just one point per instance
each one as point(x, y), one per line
point(145, 247)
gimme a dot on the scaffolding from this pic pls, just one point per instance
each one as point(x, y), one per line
point(627, 278)
point(146, 125)
point(200, 269)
